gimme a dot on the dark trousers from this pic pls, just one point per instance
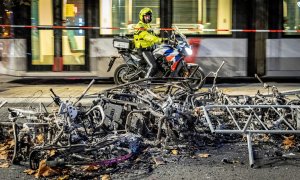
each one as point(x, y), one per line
point(149, 58)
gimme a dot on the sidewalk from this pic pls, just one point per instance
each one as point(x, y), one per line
point(26, 90)
point(6, 78)
point(41, 93)
point(22, 93)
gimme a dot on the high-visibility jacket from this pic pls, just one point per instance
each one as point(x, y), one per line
point(144, 37)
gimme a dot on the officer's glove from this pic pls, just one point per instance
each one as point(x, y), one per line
point(173, 42)
point(164, 40)
point(160, 40)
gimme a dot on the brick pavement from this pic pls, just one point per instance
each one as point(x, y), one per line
point(33, 93)
point(39, 92)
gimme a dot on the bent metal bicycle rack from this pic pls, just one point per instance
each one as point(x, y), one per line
point(254, 124)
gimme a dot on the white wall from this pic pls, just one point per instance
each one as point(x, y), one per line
point(13, 56)
point(283, 57)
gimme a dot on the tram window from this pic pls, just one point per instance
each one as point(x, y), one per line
point(291, 16)
point(194, 16)
point(6, 17)
point(124, 14)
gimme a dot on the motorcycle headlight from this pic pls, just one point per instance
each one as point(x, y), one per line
point(188, 51)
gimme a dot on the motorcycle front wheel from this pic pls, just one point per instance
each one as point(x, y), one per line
point(123, 73)
point(197, 84)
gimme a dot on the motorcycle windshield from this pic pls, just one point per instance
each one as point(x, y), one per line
point(182, 36)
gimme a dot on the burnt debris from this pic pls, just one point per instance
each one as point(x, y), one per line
point(140, 125)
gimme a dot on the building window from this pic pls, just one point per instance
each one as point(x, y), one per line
point(192, 16)
point(124, 14)
point(42, 41)
point(291, 16)
point(6, 18)
point(73, 41)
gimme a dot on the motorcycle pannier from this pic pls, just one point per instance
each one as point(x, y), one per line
point(122, 43)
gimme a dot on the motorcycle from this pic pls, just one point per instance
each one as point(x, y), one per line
point(170, 58)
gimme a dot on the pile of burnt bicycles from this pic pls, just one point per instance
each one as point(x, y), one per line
point(119, 121)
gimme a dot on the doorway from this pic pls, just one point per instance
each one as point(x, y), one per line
point(57, 49)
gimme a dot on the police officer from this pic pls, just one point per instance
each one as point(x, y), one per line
point(144, 39)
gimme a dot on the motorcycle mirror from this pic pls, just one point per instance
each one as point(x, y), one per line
point(173, 35)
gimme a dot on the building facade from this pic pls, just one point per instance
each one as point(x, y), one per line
point(74, 37)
